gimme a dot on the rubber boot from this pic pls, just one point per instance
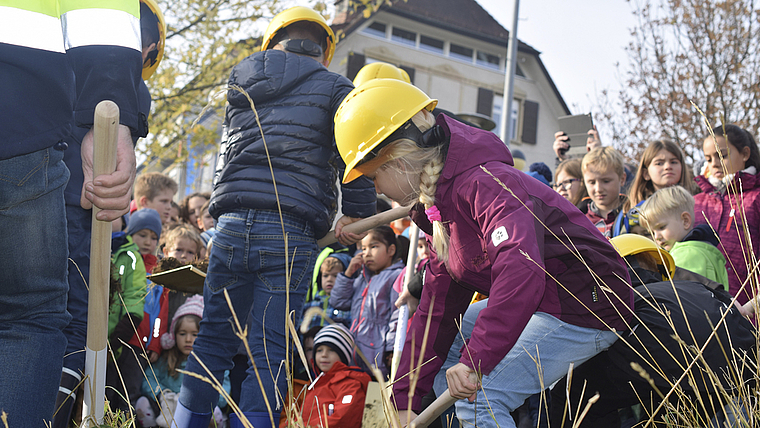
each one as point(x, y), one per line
point(185, 418)
point(257, 420)
point(67, 395)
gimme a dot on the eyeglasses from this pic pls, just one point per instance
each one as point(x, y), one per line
point(565, 184)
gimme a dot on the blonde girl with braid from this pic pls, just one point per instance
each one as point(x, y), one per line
point(558, 291)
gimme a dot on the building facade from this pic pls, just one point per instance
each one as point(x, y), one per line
point(456, 52)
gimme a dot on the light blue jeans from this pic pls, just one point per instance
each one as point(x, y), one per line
point(248, 260)
point(33, 287)
point(541, 356)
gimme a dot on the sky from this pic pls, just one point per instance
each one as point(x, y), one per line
point(580, 42)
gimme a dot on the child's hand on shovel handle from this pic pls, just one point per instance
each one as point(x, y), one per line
point(462, 382)
point(446, 399)
point(344, 237)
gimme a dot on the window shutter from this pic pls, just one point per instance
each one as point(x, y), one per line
point(409, 71)
point(355, 63)
point(530, 122)
point(485, 102)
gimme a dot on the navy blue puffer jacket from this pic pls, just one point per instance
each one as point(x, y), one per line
point(296, 99)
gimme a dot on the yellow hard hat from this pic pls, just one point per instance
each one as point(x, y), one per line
point(380, 70)
point(154, 58)
point(629, 244)
point(296, 14)
point(372, 112)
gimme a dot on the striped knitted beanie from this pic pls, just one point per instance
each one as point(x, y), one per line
point(337, 337)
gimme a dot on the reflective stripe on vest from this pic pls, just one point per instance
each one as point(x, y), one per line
point(41, 28)
point(85, 27)
point(31, 29)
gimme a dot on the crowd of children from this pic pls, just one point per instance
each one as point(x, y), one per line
point(151, 329)
point(357, 284)
point(709, 227)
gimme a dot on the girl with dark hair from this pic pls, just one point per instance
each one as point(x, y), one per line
point(366, 287)
point(190, 207)
point(730, 202)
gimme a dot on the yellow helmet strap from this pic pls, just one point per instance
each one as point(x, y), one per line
point(302, 47)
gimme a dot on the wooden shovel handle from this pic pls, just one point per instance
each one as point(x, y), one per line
point(105, 135)
point(365, 224)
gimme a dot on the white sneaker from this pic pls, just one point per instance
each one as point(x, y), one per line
point(144, 412)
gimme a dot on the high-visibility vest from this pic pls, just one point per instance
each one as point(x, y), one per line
point(58, 58)
point(56, 25)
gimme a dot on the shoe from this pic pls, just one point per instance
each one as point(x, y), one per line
point(185, 418)
point(67, 395)
point(144, 412)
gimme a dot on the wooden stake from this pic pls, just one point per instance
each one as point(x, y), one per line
point(105, 133)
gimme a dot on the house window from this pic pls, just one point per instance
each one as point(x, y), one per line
point(513, 119)
point(460, 52)
point(431, 44)
point(376, 29)
point(487, 60)
point(402, 36)
point(498, 100)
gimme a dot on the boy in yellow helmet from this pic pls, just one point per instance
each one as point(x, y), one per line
point(296, 98)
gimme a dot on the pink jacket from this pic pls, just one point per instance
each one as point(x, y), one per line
point(733, 216)
point(512, 246)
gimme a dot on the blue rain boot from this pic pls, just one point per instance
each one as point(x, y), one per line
point(257, 420)
point(185, 418)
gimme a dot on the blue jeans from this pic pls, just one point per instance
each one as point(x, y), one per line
point(79, 226)
point(248, 260)
point(540, 357)
point(33, 286)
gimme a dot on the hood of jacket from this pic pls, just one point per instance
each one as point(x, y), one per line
point(473, 147)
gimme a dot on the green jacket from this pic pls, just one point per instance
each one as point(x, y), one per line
point(134, 285)
point(703, 258)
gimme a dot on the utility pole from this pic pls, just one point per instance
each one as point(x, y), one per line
point(509, 80)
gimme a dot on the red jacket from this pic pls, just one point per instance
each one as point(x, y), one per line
point(716, 208)
point(160, 325)
point(512, 245)
point(343, 387)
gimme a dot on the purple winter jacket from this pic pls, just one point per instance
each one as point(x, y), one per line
point(500, 247)
point(714, 207)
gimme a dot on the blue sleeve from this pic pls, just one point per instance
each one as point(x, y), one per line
point(106, 73)
point(342, 293)
point(151, 387)
point(359, 198)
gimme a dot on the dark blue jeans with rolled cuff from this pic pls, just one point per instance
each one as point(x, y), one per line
point(249, 259)
point(33, 284)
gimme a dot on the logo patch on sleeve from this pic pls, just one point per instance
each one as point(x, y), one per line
point(499, 235)
point(347, 399)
